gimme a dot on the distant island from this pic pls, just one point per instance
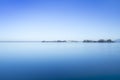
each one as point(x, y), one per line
point(99, 41)
point(66, 41)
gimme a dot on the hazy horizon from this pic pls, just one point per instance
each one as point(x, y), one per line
point(33, 20)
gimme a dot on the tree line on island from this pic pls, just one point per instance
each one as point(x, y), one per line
point(100, 41)
point(84, 41)
point(74, 41)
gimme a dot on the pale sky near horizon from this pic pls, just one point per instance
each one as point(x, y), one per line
point(59, 19)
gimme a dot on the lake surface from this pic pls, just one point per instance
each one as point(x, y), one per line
point(59, 61)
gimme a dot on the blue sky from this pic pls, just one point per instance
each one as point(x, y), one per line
point(59, 19)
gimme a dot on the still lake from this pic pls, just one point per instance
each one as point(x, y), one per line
point(59, 61)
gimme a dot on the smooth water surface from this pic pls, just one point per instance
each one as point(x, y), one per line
point(59, 61)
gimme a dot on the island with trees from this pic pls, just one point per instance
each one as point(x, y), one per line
point(68, 41)
point(99, 41)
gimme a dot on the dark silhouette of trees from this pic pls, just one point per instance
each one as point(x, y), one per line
point(99, 41)
point(109, 40)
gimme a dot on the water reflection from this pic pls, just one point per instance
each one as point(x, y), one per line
point(64, 61)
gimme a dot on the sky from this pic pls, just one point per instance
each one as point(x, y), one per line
point(59, 19)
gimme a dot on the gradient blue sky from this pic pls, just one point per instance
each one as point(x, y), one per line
point(59, 19)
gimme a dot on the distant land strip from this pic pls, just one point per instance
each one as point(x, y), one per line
point(62, 41)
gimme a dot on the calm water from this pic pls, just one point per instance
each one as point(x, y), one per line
point(59, 61)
